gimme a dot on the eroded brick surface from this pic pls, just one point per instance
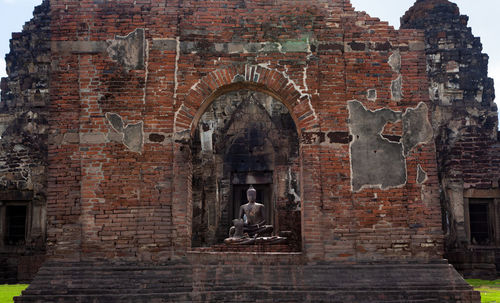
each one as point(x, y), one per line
point(197, 58)
point(159, 111)
point(24, 132)
point(465, 122)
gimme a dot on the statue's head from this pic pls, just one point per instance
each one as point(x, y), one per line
point(251, 194)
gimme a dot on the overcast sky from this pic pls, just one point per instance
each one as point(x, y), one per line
point(482, 18)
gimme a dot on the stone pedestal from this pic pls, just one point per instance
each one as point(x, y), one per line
point(248, 277)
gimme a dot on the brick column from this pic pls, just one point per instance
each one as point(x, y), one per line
point(182, 192)
point(312, 243)
point(63, 181)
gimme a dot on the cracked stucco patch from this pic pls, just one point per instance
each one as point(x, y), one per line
point(397, 88)
point(416, 127)
point(129, 50)
point(395, 61)
point(375, 161)
point(421, 175)
point(132, 135)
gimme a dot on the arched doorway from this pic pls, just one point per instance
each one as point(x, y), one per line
point(245, 137)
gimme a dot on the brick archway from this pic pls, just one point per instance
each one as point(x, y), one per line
point(195, 103)
point(253, 77)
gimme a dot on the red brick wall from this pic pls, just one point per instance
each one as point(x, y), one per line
point(108, 201)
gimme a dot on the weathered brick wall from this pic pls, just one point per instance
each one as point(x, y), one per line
point(465, 118)
point(131, 79)
point(23, 143)
point(465, 122)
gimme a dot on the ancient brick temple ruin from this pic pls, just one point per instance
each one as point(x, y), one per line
point(131, 130)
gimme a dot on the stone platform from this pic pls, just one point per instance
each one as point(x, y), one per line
point(475, 262)
point(247, 277)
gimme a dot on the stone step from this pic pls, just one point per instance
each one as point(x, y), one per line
point(272, 296)
point(254, 281)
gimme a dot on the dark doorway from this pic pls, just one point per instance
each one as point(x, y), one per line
point(15, 224)
point(480, 223)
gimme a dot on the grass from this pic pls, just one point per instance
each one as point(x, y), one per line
point(490, 290)
point(7, 292)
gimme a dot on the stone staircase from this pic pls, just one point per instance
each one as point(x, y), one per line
point(246, 278)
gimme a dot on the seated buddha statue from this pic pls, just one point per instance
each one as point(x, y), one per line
point(252, 216)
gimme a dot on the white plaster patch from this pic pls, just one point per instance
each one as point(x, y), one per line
point(397, 88)
point(176, 70)
point(19, 147)
point(291, 190)
point(295, 86)
point(395, 61)
point(280, 47)
point(304, 78)
point(371, 95)
point(195, 86)
point(176, 115)
point(206, 136)
point(265, 65)
point(146, 76)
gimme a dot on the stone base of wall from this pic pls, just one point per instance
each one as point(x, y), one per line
point(477, 263)
point(247, 277)
point(15, 268)
point(8, 269)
